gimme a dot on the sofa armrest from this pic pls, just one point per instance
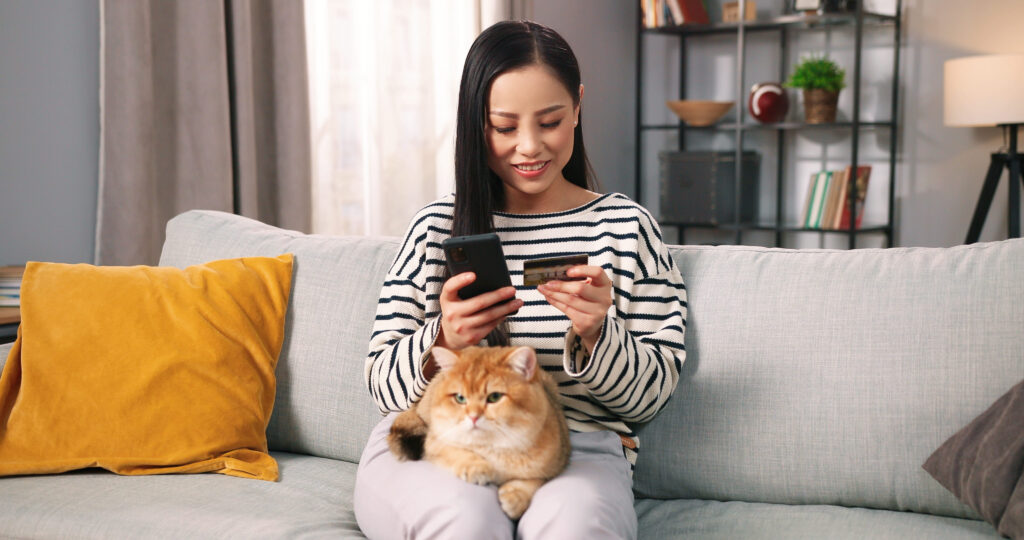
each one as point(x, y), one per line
point(5, 349)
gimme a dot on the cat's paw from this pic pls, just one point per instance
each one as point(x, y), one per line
point(474, 473)
point(515, 498)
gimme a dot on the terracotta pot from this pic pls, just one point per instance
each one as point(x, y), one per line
point(820, 106)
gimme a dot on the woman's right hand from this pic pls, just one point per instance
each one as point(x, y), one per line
point(465, 322)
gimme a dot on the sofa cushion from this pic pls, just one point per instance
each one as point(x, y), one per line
point(322, 407)
point(713, 520)
point(313, 499)
point(983, 463)
point(186, 384)
point(828, 377)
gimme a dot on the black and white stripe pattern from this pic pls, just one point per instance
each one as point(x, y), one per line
point(636, 362)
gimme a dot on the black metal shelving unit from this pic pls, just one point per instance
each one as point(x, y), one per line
point(784, 26)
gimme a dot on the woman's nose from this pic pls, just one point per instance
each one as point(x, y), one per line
point(529, 143)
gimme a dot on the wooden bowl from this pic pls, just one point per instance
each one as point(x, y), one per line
point(699, 113)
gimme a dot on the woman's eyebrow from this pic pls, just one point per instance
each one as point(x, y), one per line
point(541, 112)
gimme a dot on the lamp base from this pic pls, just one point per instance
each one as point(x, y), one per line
point(1014, 162)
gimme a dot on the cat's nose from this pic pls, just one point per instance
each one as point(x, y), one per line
point(473, 418)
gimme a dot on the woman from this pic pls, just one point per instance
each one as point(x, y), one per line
point(613, 341)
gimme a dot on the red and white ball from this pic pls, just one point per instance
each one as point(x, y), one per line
point(768, 102)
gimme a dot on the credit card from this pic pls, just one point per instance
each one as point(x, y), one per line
point(540, 271)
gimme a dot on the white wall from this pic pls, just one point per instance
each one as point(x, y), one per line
point(603, 37)
point(942, 168)
point(49, 129)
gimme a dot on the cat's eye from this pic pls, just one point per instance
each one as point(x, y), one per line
point(460, 399)
point(493, 397)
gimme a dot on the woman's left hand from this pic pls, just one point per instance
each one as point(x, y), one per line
point(585, 302)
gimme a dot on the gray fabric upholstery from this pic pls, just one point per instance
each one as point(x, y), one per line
point(5, 350)
point(323, 407)
point(820, 379)
point(313, 499)
point(829, 377)
point(712, 520)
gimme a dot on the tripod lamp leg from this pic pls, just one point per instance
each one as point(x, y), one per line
point(988, 191)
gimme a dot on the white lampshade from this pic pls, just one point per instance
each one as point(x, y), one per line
point(984, 90)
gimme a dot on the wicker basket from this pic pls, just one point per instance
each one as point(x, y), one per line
point(820, 106)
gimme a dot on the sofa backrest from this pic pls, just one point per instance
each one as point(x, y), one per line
point(828, 377)
point(322, 406)
point(812, 376)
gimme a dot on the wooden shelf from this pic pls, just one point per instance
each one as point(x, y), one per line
point(10, 315)
point(781, 126)
point(776, 23)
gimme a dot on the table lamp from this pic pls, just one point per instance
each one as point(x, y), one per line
point(988, 90)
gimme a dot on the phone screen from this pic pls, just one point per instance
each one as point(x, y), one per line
point(482, 255)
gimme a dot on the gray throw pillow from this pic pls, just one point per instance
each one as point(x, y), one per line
point(983, 464)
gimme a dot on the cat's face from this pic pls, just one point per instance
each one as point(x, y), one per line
point(487, 396)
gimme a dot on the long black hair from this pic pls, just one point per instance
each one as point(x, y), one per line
point(505, 46)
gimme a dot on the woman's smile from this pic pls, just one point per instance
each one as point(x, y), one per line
point(532, 169)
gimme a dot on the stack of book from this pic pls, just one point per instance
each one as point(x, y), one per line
point(827, 204)
point(10, 285)
point(661, 13)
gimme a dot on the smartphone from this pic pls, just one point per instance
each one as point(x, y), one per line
point(482, 255)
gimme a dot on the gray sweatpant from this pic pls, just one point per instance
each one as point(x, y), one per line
point(592, 498)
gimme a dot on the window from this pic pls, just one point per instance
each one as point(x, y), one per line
point(384, 80)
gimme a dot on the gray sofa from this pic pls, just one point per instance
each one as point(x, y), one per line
point(816, 384)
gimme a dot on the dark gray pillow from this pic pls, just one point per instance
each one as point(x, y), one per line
point(983, 464)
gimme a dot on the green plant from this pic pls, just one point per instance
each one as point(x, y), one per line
point(815, 72)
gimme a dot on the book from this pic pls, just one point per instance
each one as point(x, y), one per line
point(841, 192)
point(818, 204)
point(676, 11)
point(694, 12)
point(10, 285)
point(861, 192)
point(833, 199)
point(807, 199)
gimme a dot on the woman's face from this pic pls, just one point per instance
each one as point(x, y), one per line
point(529, 131)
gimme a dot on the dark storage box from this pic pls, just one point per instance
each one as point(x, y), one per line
point(698, 187)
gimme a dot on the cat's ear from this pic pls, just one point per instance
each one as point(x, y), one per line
point(523, 361)
point(445, 358)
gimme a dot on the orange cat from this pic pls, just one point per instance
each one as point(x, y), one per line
point(490, 416)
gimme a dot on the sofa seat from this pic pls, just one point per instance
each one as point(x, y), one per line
point(712, 520)
point(313, 499)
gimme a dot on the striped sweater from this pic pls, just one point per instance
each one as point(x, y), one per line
point(635, 363)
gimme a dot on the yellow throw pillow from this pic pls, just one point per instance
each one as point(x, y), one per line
point(145, 370)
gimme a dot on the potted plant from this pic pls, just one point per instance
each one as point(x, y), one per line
point(821, 80)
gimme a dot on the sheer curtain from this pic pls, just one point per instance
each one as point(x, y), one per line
point(384, 79)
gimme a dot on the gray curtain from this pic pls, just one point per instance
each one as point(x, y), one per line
point(204, 104)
